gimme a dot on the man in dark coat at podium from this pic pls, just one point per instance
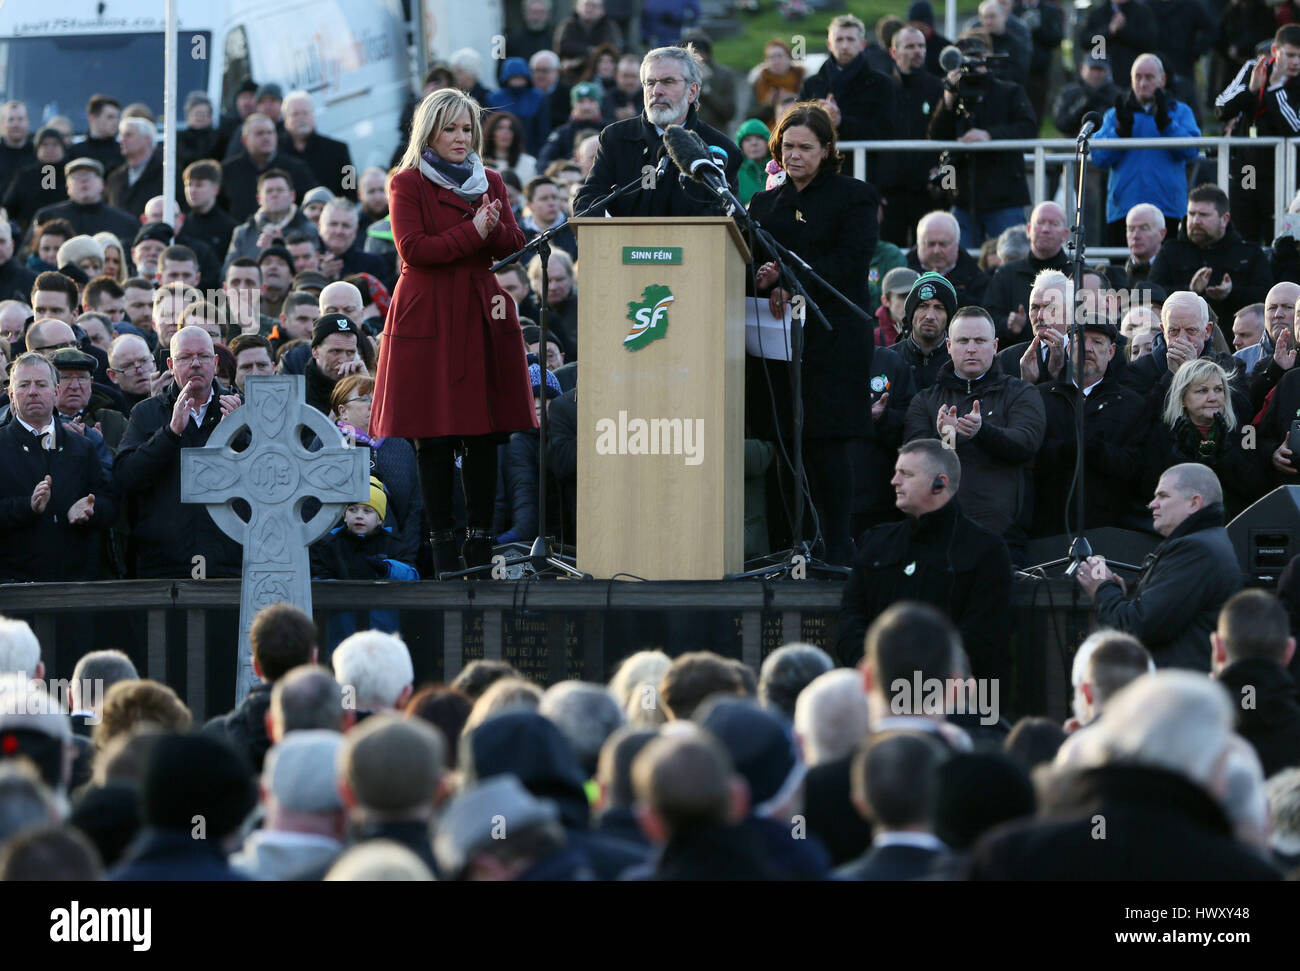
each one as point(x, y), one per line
point(671, 79)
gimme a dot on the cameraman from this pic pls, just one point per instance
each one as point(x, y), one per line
point(992, 190)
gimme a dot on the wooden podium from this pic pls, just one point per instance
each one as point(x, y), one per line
point(661, 389)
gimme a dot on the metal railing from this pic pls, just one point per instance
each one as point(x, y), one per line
point(1040, 152)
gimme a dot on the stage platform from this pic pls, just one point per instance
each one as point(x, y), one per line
point(182, 632)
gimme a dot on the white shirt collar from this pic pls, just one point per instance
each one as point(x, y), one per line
point(199, 413)
point(923, 841)
point(38, 432)
point(287, 837)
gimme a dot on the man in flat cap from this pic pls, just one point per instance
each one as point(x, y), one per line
point(80, 406)
point(86, 209)
point(304, 823)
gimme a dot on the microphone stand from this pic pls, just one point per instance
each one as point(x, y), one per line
point(799, 555)
point(540, 555)
point(1080, 549)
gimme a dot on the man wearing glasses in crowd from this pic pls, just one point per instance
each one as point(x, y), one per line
point(131, 367)
point(167, 535)
point(631, 149)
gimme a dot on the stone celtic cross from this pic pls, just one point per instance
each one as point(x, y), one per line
point(274, 475)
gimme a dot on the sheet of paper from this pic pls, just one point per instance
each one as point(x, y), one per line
point(765, 335)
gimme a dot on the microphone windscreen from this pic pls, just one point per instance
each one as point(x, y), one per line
point(684, 147)
point(950, 58)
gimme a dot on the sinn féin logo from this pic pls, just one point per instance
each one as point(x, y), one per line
point(649, 316)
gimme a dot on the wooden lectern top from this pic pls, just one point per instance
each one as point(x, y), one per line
point(732, 229)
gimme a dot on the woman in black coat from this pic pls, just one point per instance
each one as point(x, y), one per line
point(829, 220)
point(1198, 425)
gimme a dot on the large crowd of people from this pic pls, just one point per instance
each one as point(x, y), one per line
point(939, 441)
point(686, 768)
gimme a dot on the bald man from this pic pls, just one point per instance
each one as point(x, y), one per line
point(1144, 232)
point(1274, 356)
point(49, 335)
point(1154, 175)
point(1175, 605)
point(938, 248)
point(168, 534)
point(1007, 297)
point(341, 297)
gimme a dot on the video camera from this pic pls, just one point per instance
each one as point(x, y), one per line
point(952, 58)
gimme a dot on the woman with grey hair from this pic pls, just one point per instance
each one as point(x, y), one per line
point(1013, 244)
point(1198, 424)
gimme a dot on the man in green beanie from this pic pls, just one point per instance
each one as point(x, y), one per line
point(931, 302)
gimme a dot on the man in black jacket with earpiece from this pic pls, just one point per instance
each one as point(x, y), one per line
point(936, 556)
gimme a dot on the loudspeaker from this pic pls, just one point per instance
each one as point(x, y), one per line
point(1267, 535)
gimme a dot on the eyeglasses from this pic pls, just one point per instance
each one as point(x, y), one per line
point(357, 401)
point(144, 364)
point(651, 83)
point(54, 347)
point(187, 359)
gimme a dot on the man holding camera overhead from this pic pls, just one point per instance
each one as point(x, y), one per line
point(991, 190)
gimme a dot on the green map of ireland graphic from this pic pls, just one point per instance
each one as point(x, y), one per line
point(649, 316)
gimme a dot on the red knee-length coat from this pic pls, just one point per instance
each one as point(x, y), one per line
point(451, 361)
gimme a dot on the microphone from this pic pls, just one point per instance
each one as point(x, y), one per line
point(1091, 122)
point(692, 156)
point(1080, 550)
point(951, 58)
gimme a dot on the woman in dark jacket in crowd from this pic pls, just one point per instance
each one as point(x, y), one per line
point(830, 221)
point(1198, 424)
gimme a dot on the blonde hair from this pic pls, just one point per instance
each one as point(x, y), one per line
point(107, 240)
point(435, 111)
point(1184, 378)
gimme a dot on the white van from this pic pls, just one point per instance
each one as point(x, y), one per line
point(351, 55)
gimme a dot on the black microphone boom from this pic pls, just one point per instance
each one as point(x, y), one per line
point(1091, 122)
point(693, 158)
point(690, 154)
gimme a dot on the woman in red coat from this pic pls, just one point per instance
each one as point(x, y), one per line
point(452, 373)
